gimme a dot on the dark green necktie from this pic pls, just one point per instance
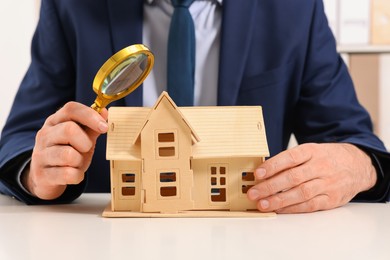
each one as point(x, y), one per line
point(181, 54)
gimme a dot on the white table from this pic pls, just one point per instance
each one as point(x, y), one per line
point(77, 231)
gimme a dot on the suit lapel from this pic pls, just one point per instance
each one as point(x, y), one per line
point(126, 19)
point(236, 34)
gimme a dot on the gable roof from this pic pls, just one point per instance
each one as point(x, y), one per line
point(164, 95)
point(223, 131)
point(228, 131)
point(124, 123)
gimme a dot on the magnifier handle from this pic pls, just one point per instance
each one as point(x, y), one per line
point(95, 107)
point(99, 104)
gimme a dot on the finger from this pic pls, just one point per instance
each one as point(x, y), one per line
point(81, 114)
point(284, 160)
point(317, 203)
point(61, 155)
point(302, 193)
point(63, 175)
point(67, 133)
point(104, 113)
point(283, 181)
point(91, 133)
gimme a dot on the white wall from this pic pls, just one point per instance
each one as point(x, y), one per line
point(17, 23)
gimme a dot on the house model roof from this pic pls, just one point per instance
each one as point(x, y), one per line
point(217, 131)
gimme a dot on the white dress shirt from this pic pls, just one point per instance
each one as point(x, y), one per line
point(207, 16)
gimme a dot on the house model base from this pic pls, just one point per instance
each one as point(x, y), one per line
point(169, 161)
point(108, 213)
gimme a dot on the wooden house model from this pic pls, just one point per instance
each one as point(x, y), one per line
point(168, 159)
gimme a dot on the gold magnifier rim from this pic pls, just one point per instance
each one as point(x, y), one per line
point(112, 63)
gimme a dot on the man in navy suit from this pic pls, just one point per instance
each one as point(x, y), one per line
point(274, 53)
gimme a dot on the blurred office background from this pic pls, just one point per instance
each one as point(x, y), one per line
point(18, 19)
point(361, 28)
point(362, 31)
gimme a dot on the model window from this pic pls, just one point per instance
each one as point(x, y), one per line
point(218, 175)
point(166, 151)
point(166, 144)
point(128, 177)
point(168, 177)
point(128, 191)
point(169, 191)
point(168, 183)
point(248, 181)
point(218, 195)
point(166, 137)
point(128, 184)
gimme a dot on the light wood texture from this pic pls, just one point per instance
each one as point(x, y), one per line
point(384, 104)
point(168, 159)
point(369, 69)
point(228, 131)
point(108, 213)
point(380, 25)
point(364, 69)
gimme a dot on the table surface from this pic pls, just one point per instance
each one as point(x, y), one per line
point(78, 231)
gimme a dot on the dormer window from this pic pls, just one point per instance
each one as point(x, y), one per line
point(166, 137)
point(166, 144)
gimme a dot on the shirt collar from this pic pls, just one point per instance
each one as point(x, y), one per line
point(218, 1)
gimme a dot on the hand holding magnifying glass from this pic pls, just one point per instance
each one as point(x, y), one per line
point(121, 74)
point(73, 129)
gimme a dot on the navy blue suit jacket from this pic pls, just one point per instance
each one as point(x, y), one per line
point(274, 53)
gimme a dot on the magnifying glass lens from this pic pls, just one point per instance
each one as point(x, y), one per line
point(125, 75)
point(121, 74)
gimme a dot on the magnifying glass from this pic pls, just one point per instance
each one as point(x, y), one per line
point(121, 74)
